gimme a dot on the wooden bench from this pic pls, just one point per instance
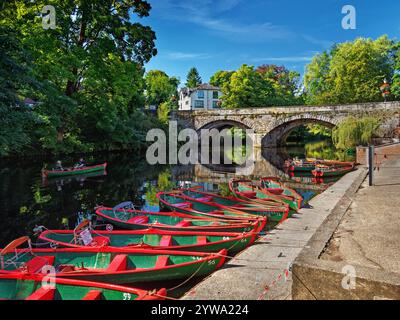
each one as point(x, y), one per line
point(93, 295)
point(119, 263)
point(42, 294)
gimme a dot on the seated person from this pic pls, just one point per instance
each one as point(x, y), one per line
point(59, 166)
point(81, 163)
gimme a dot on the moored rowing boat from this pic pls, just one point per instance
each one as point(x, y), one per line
point(150, 239)
point(178, 202)
point(274, 212)
point(109, 265)
point(21, 286)
point(136, 220)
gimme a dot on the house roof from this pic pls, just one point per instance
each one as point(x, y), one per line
point(204, 86)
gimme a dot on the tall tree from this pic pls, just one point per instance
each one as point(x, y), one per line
point(160, 87)
point(16, 121)
point(285, 83)
point(193, 78)
point(221, 77)
point(350, 72)
point(247, 88)
point(92, 41)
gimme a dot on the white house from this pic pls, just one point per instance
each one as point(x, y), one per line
point(204, 96)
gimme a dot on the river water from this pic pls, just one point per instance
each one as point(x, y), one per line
point(27, 200)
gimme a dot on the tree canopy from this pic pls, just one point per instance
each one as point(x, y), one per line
point(193, 78)
point(90, 71)
point(350, 72)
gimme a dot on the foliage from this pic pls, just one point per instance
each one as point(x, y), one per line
point(220, 78)
point(160, 87)
point(90, 71)
point(193, 78)
point(350, 72)
point(285, 83)
point(16, 120)
point(395, 88)
point(247, 89)
point(354, 131)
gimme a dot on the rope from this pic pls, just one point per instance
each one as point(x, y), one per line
point(182, 283)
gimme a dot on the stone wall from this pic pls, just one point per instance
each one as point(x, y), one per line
point(272, 123)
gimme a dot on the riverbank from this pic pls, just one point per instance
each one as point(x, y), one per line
point(363, 242)
point(263, 271)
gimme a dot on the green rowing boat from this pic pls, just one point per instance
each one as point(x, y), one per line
point(21, 286)
point(150, 239)
point(176, 201)
point(73, 171)
point(137, 220)
point(109, 265)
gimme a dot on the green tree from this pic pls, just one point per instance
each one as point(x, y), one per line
point(90, 68)
point(285, 83)
point(193, 78)
point(247, 88)
point(220, 78)
point(160, 87)
point(350, 72)
point(16, 121)
point(355, 131)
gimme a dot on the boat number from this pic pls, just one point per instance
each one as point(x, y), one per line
point(226, 238)
point(127, 296)
point(243, 240)
point(211, 262)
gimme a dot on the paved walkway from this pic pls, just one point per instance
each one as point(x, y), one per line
point(247, 275)
point(369, 233)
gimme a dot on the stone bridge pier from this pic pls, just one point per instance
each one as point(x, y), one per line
point(270, 126)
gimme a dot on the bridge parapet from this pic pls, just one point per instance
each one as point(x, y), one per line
point(270, 124)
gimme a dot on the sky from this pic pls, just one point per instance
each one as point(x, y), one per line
point(214, 35)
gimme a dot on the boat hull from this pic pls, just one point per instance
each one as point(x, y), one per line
point(85, 170)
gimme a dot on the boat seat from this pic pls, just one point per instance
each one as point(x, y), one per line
point(119, 263)
point(42, 294)
point(276, 191)
point(100, 241)
point(201, 240)
point(183, 223)
point(93, 295)
point(139, 220)
point(183, 205)
point(249, 194)
point(166, 241)
point(36, 264)
point(162, 261)
point(219, 212)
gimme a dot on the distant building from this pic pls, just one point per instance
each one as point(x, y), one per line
point(204, 96)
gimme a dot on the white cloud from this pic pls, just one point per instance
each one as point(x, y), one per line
point(207, 14)
point(177, 55)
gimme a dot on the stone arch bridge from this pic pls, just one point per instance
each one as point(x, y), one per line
point(271, 125)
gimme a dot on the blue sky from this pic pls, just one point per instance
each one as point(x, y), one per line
point(214, 35)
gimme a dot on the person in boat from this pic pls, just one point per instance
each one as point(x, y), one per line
point(81, 163)
point(59, 166)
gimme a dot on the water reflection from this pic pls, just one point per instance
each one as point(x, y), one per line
point(26, 200)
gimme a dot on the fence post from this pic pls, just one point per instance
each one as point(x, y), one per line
point(370, 164)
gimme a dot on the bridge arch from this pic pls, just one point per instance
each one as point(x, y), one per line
point(222, 124)
point(281, 128)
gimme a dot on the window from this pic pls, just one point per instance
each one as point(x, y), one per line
point(215, 94)
point(200, 94)
point(215, 104)
point(198, 103)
